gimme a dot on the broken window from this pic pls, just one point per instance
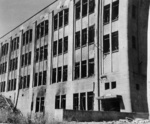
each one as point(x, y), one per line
point(45, 52)
point(84, 8)
point(78, 10)
point(90, 100)
point(37, 55)
point(66, 44)
point(42, 104)
point(113, 85)
point(59, 74)
point(22, 61)
point(42, 29)
point(24, 82)
point(66, 15)
point(77, 40)
point(106, 14)
point(46, 27)
point(75, 102)
point(27, 37)
point(106, 44)
point(82, 101)
point(40, 79)
point(133, 42)
point(107, 86)
point(38, 31)
point(77, 70)
point(41, 53)
point(44, 77)
point(84, 70)
point(54, 48)
point(54, 75)
point(16, 63)
point(15, 84)
point(35, 79)
point(91, 34)
point(28, 81)
point(115, 10)
point(60, 47)
point(91, 67)
point(60, 19)
point(29, 58)
point(37, 104)
point(57, 101)
point(91, 6)
point(30, 38)
point(63, 101)
point(133, 11)
point(65, 73)
point(115, 41)
point(55, 21)
point(84, 36)
point(23, 39)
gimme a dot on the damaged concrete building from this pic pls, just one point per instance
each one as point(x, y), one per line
point(88, 55)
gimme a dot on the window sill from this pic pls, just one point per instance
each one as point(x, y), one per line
point(84, 16)
point(83, 45)
point(105, 23)
point(66, 52)
point(115, 51)
point(90, 43)
point(77, 48)
point(116, 19)
point(66, 24)
point(77, 19)
point(59, 54)
point(56, 29)
point(106, 53)
point(54, 55)
point(91, 12)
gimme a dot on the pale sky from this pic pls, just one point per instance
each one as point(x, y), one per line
point(14, 12)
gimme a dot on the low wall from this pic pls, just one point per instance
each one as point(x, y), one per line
point(87, 116)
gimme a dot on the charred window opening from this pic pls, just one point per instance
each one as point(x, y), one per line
point(91, 34)
point(115, 10)
point(84, 8)
point(91, 6)
point(60, 47)
point(75, 102)
point(84, 36)
point(106, 44)
point(54, 48)
point(133, 42)
point(46, 27)
point(77, 40)
point(28, 81)
point(91, 67)
point(84, 69)
point(78, 10)
point(41, 53)
point(90, 100)
point(42, 29)
point(106, 14)
point(66, 44)
point(134, 11)
point(44, 77)
point(66, 14)
point(82, 101)
point(59, 74)
point(77, 70)
point(35, 79)
point(113, 85)
point(63, 101)
point(45, 52)
point(60, 19)
point(115, 41)
point(107, 86)
point(65, 73)
point(40, 79)
point(55, 22)
point(37, 55)
point(57, 101)
point(29, 58)
point(54, 75)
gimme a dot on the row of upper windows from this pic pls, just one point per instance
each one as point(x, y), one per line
point(11, 85)
point(15, 44)
point(2, 86)
point(27, 37)
point(3, 68)
point(4, 49)
point(13, 64)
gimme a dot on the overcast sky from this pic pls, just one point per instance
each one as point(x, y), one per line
point(14, 12)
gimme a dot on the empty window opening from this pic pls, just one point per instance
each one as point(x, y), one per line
point(106, 14)
point(90, 100)
point(55, 22)
point(30, 35)
point(107, 86)
point(91, 34)
point(113, 85)
point(57, 101)
point(60, 19)
point(82, 101)
point(26, 59)
point(24, 82)
point(54, 48)
point(42, 108)
point(77, 70)
point(84, 36)
point(35, 79)
point(106, 44)
point(42, 29)
point(115, 10)
point(115, 41)
point(37, 104)
point(84, 68)
point(66, 14)
point(77, 40)
point(137, 87)
point(75, 102)
point(28, 81)
point(84, 8)
point(40, 79)
point(54, 75)
point(66, 44)
point(63, 101)
point(59, 74)
point(23, 39)
point(78, 10)
point(27, 37)
point(45, 52)
point(133, 42)
point(37, 55)
point(46, 27)
point(44, 77)
point(65, 73)
point(60, 47)
point(41, 53)
point(133, 11)
point(91, 6)
point(91, 67)
point(29, 58)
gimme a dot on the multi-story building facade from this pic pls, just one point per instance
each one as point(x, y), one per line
point(80, 55)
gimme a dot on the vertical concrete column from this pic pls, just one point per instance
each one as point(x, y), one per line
point(19, 67)
point(8, 61)
point(32, 66)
